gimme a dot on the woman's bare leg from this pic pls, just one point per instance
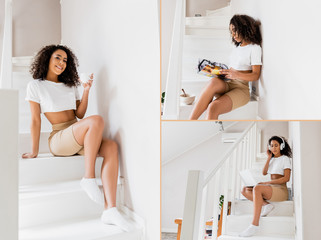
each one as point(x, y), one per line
point(260, 192)
point(221, 105)
point(248, 193)
point(215, 86)
point(109, 171)
point(88, 132)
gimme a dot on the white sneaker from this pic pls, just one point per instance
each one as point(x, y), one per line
point(250, 231)
point(266, 209)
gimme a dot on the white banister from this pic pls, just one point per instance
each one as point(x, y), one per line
point(174, 75)
point(6, 58)
point(192, 206)
point(240, 156)
point(226, 195)
point(211, 174)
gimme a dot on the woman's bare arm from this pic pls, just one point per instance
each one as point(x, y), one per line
point(267, 163)
point(35, 130)
point(82, 105)
point(254, 75)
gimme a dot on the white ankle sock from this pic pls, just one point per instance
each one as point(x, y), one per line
point(250, 231)
point(266, 209)
point(112, 216)
point(90, 186)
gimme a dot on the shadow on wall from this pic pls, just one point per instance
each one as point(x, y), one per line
point(122, 166)
point(104, 98)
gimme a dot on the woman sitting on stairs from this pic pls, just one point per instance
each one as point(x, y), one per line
point(245, 66)
point(54, 93)
point(278, 164)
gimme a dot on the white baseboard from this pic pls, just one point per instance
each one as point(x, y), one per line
point(169, 230)
point(138, 219)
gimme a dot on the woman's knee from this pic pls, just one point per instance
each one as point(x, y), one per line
point(258, 188)
point(243, 191)
point(213, 106)
point(96, 121)
point(110, 147)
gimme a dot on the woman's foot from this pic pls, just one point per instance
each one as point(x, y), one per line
point(266, 209)
point(90, 186)
point(112, 216)
point(250, 231)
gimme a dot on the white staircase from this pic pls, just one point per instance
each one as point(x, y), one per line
point(208, 37)
point(203, 194)
point(278, 225)
point(51, 203)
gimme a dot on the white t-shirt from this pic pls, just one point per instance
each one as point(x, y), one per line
point(52, 97)
point(243, 58)
point(277, 165)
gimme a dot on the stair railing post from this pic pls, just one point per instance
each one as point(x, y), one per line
point(174, 74)
point(192, 206)
point(6, 58)
point(226, 195)
point(233, 179)
point(217, 178)
point(238, 168)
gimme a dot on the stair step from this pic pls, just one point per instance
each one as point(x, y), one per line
point(226, 237)
point(25, 143)
point(46, 168)
point(224, 11)
point(244, 207)
point(207, 31)
point(21, 64)
point(79, 229)
point(49, 203)
point(208, 21)
point(278, 226)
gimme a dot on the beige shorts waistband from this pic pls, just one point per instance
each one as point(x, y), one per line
point(61, 126)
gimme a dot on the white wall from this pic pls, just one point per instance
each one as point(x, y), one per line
point(167, 21)
point(179, 136)
point(272, 128)
point(119, 42)
point(203, 157)
point(9, 164)
point(35, 23)
point(294, 134)
point(290, 46)
point(311, 178)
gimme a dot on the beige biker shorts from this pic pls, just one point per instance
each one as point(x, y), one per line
point(62, 141)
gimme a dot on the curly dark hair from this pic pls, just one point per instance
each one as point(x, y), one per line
point(247, 28)
point(286, 150)
point(40, 64)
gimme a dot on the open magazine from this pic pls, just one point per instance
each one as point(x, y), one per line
point(211, 69)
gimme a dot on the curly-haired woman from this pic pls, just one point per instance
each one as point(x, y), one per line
point(245, 66)
point(54, 93)
point(278, 164)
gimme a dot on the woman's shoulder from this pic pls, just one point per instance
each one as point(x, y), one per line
point(34, 83)
point(285, 158)
point(256, 47)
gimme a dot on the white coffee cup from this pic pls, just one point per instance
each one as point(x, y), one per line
point(85, 77)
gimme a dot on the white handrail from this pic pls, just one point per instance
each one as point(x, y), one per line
point(224, 158)
point(6, 58)
point(174, 75)
point(240, 156)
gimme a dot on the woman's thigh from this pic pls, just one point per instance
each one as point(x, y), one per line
point(265, 190)
point(81, 127)
point(216, 86)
